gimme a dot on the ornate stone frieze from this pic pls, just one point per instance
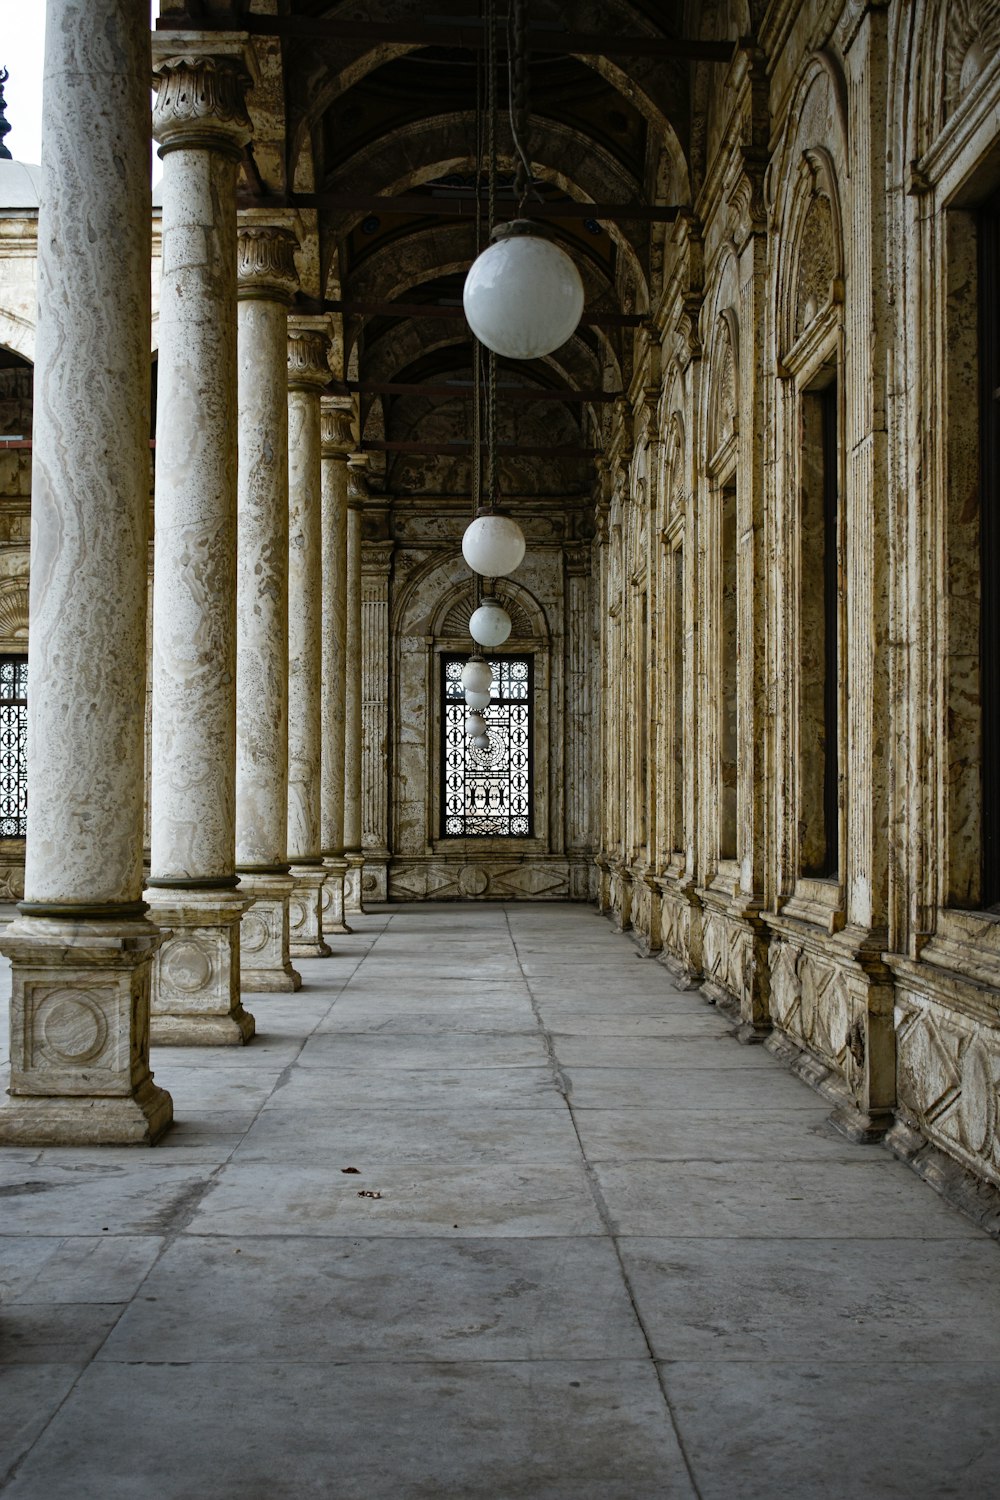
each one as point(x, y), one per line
point(266, 263)
point(201, 102)
point(308, 358)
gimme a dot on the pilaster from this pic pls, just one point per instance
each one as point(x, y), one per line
point(337, 440)
point(356, 490)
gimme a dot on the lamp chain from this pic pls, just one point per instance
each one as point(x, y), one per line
point(519, 101)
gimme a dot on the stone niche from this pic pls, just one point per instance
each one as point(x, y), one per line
point(432, 603)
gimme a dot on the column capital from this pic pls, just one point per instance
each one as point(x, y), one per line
point(308, 354)
point(265, 267)
point(335, 428)
point(201, 103)
point(357, 480)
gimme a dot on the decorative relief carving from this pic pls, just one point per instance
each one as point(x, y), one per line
point(723, 413)
point(816, 264)
point(505, 878)
point(948, 1081)
point(255, 931)
point(201, 101)
point(266, 263)
point(69, 1027)
point(186, 965)
point(972, 40)
point(14, 610)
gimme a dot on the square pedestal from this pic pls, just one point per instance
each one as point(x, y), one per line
point(305, 913)
point(196, 974)
point(333, 895)
point(79, 1035)
point(265, 959)
point(353, 903)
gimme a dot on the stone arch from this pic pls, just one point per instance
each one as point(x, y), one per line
point(527, 617)
point(13, 614)
point(18, 335)
point(722, 386)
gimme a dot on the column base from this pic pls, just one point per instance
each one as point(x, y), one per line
point(196, 993)
point(333, 895)
point(305, 914)
point(864, 1127)
point(265, 961)
point(79, 1035)
point(353, 902)
point(375, 875)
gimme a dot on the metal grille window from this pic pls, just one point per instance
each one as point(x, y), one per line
point(487, 793)
point(13, 747)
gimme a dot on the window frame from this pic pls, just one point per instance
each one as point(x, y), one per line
point(450, 840)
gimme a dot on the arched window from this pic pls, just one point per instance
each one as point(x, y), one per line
point(487, 793)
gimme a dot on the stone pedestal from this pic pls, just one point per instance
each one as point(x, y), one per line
point(79, 1045)
point(196, 988)
point(265, 956)
point(333, 896)
point(353, 895)
point(305, 913)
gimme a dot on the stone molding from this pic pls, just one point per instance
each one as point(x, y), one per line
point(201, 104)
point(266, 263)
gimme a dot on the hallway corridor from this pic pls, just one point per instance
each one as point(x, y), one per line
point(490, 1209)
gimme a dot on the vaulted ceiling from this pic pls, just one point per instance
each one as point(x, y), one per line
point(378, 125)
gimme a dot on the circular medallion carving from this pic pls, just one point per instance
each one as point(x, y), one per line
point(186, 966)
point(296, 915)
point(369, 883)
point(254, 932)
point(978, 1103)
point(71, 1027)
point(473, 881)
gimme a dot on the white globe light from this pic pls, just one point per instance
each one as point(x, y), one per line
point(478, 701)
point(475, 725)
point(490, 625)
point(477, 675)
point(481, 742)
point(523, 296)
point(493, 546)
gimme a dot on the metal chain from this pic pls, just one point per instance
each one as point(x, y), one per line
point(491, 106)
point(518, 55)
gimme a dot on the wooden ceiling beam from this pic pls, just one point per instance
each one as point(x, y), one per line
point(363, 309)
point(466, 390)
point(463, 203)
point(467, 36)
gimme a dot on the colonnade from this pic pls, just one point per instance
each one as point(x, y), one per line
point(255, 752)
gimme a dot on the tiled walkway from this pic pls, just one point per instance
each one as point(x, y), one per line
point(608, 1254)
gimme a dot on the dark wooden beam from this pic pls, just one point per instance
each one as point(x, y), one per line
point(464, 449)
point(468, 36)
point(465, 204)
point(466, 390)
point(350, 308)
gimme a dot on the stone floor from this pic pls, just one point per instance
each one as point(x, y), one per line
point(608, 1254)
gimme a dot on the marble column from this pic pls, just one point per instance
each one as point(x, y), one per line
point(337, 441)
point(201, 121)
point(308, 374)
point(356, 488)
point(267, 281)
point(81, 949)
point(376, 567)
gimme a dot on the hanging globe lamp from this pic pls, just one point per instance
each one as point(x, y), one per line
point(493, 545)
point(523, 296)
point(490, 624)
point(477, 675)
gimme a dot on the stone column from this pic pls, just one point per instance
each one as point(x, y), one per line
point(308, 373)
point(201, 122)
point(352, 679)
point(267, 282)
point(337, 440)
point(80, 948)
point(376, 565)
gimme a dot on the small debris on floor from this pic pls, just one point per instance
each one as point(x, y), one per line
point(354, 1170)
point(367, 1193)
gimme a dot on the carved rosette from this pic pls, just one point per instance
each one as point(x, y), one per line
point(201, 103)
point(265, 264)
point(335, 429)
point(308, 365)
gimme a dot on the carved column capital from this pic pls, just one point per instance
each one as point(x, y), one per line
point(337, 435)
point(308, 354)
point(357, 481)
point(201, 103)
point(265, 267)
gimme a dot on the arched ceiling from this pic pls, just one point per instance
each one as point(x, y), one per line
point(383, 110)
